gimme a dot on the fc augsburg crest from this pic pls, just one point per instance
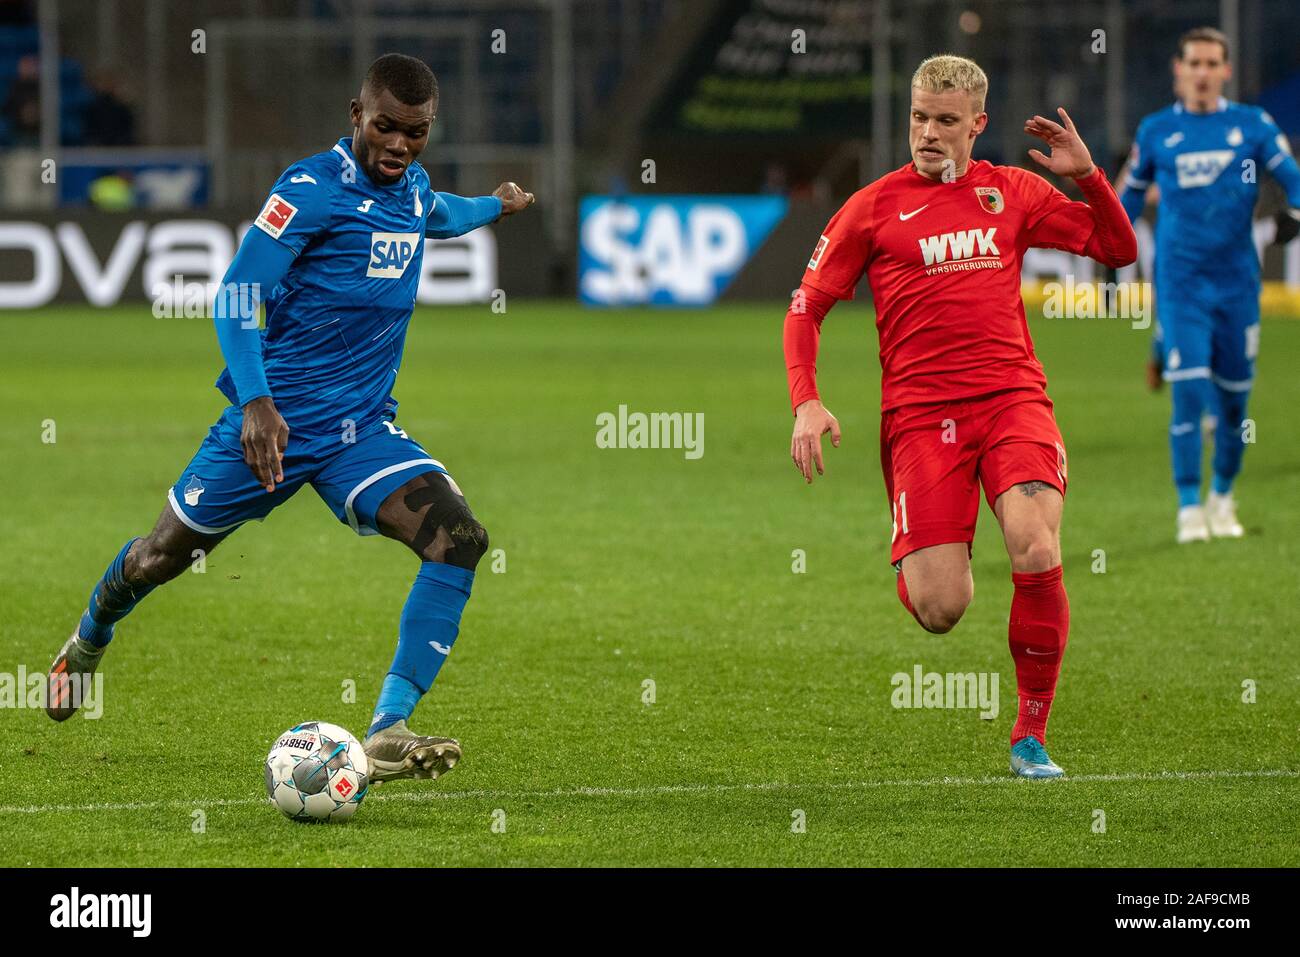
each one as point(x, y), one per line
point(990, 198)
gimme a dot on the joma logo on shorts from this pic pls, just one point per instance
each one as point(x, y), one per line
point(959, 245)
point(390, 254)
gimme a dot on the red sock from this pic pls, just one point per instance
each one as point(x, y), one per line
point(903, 597)
point(1039, 629)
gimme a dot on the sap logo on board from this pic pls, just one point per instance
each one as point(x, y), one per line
point(671, 250)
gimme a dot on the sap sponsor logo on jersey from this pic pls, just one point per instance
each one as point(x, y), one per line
point(391, 253)
point(1201, 168)
point(671, 250)
point(963, 249)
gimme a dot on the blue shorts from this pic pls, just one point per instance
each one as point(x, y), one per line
point(218, 492)
point(1209, 336)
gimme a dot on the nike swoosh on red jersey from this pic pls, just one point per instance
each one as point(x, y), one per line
point(906, 216)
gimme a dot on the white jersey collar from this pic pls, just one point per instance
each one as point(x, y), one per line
point(1219, 107)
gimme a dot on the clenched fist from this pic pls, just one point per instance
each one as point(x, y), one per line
point(513, 199)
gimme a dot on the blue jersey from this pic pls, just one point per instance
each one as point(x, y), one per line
point(1207, 167)
point(336, 318)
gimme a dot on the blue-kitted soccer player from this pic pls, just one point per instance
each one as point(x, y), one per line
point(337, 249)
point(1205, 154)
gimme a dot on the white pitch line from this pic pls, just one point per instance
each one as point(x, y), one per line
point(669, 789)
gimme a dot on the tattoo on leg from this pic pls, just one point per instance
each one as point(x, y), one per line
point(1030, 489)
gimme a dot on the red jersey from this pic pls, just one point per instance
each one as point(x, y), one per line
point(944, 260)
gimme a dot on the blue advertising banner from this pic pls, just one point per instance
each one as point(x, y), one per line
point(134, 184)
point(668, 250)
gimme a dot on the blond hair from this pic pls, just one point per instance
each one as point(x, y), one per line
point(938, 74)
point(1203, 35)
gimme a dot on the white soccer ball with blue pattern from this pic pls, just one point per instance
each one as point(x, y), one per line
point(317, 772)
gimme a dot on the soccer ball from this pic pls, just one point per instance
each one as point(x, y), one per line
point(316, 772)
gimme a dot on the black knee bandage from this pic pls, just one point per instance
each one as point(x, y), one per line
point(469, 539)
point(448, 511)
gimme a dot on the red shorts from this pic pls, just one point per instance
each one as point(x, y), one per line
point(932, 454)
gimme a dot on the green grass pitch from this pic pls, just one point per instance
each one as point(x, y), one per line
point(771, 689)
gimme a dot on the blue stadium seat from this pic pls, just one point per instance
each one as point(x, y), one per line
point(18, 41)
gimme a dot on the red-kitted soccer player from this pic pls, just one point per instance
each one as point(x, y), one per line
point(964, 401)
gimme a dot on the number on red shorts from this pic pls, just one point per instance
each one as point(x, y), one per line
point(900, 510)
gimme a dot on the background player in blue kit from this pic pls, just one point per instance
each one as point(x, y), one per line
point(1206, 155)
point(337, 250)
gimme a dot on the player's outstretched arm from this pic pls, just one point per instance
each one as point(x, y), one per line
point(812, 419)
point(1098, 228)
point(457, 215)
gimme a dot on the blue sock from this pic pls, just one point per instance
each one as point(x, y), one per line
point(111, 600)
point(1191, 398)
point(429, 625)
point(1228, 445)
point(397, 699)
